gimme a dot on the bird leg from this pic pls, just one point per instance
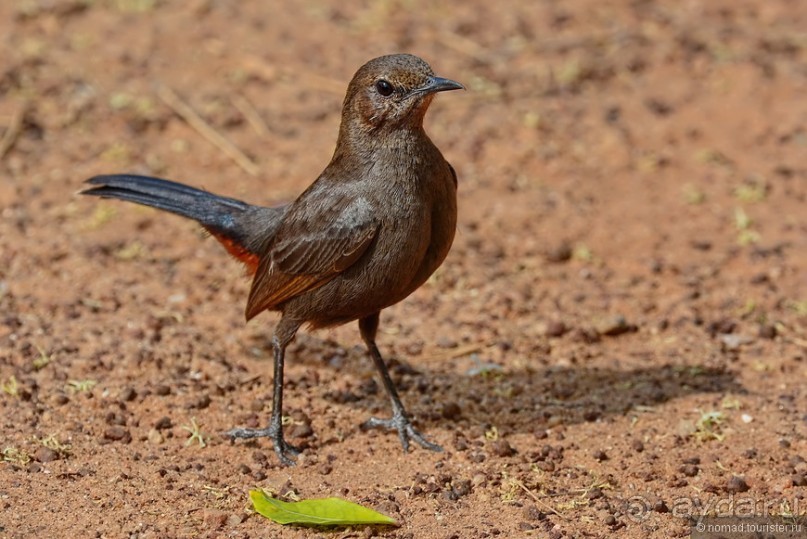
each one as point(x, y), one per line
point(399, 421)
point(284, 333)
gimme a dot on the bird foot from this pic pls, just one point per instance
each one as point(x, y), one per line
point(405, 430)
point(284, 450)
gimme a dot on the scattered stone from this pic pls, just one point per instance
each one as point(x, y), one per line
point(451, 411)
point(555, 328)
point(594, 493)
point(244, 469)
point(689, 470)
point(462, 487)
point(659, 506)
point(163, 423)
point(60, 399)
point(799, 479)
point(591, 415)
point(768, 331)
point(118, 433)
point(162, 390)
point(301, 430)
point(214, 519)
point(260, 457)
point(600, 455)
point(736, 485)
point(586, 335)
point(127, 394)
point(560, 253)
point(256, 405)
point(545, 466)
point(733, 341)
point(479, 480)
point(46, 454)
point(155, 437)
point(200, 403)
point(259, 475)
point(115, 418)
point(723, 326)
point(502, 448)
point(460, 443)
point(532, 514)
point(611, 326)
point(637, 446)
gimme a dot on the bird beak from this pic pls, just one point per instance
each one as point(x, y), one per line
point(439, 84)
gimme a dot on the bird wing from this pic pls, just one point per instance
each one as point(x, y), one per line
point(310, 249)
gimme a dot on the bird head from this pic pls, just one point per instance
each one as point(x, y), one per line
point(392, 92)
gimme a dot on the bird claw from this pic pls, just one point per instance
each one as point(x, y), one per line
point(284, 450)
point(405, 430)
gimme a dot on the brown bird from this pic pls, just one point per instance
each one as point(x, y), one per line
point(368, 232)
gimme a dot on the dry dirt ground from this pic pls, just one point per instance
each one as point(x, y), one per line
point(617, 341)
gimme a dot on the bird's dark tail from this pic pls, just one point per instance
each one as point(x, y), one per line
point(240, 227)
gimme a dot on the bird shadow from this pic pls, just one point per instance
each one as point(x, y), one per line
point(525, 399)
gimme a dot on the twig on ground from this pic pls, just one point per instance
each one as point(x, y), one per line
point(171, 99)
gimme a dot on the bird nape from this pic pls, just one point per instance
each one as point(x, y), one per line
point(368, 232)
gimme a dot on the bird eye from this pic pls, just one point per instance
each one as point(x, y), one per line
point(384, 88)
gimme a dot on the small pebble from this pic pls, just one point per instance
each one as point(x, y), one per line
point(555, 328)
point(46, 454)
point(462, 487)
point(767, 331)
point(117, 433)
point(163, 423)
point(560, 253)
point(591, 415)
point(689, 470)
point(256, 405)
point(127, 394)
point(594, 493)
point(214, 518)
point(660, 507)
point(612, 326)
point(155, 437)
point(545, 466)
point(502, 448)
point(302, 430)
point(637, 446)
point(162, 390)
point(532, 514)
point(736, 485)
point(600, 455)
point(451, 411)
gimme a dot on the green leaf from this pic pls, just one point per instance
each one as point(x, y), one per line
point(317, 512)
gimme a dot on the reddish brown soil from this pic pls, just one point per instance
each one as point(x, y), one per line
point(634, 159)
